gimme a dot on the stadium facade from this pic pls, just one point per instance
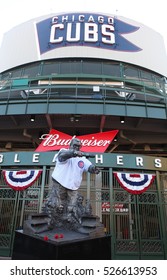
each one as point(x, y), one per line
point(80, 74)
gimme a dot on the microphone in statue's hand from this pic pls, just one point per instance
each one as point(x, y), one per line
point(78, 154)
point(81, 154)
point(87, 155)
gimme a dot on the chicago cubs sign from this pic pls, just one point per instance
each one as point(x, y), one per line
point(85, 30)
point(84, 35)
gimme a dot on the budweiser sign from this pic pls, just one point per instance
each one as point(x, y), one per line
point(95, 143)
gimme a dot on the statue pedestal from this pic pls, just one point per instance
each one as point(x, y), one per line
point(60, 244)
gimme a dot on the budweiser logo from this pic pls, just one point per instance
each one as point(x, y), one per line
point(52, 140)
point(56, 140)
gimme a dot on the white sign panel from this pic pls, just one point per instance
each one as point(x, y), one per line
point(86, 35)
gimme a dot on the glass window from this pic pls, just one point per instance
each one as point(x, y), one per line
point(31, 71)
point(146, 75)
point(159, 83)
point(6, 76)
point(51, 68)
point(92, 67)
point(147, 78)
point(111, 69)
point(86, 92)
point(70, 67)
point(131, 72)
point(17, 73)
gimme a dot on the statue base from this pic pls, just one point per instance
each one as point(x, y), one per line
point(60, 244)
point(38, 223)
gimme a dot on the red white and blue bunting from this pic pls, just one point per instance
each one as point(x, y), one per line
point(22, 179)
point(134, 183)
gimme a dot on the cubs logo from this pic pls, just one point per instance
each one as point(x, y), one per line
point(80, 164)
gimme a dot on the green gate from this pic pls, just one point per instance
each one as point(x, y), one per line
point(15, 207)
point(139, 222)
point(8, 213)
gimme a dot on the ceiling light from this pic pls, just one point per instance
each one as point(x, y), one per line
point(122, 120)
point(75, 118)
point(32, 118)
point(71, 119)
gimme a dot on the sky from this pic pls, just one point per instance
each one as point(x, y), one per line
point(150, 13)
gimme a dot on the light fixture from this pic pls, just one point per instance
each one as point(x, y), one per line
point(147, 147)
point(72, 119)
point(8, 146)
point(122, 120)
point(32, 118)
point(75, 118)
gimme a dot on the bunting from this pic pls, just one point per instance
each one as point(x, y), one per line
point(134, 183)
point(22, 179)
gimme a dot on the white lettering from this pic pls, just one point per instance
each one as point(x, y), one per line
point(16, 158)
point(85, 142)
point(81, 18)
point(69, 32)
point(99, 158)
point(54, 20)
point(100, 19)
point(73, 30)
point(110, 20)
point(35, 158)
point(120, 160)
point(100, 143)
point(55, 139)
point(63, 142)
point(50, 139)
point(107, 30)
point(139, 161)
point(1, 158)
point(53, 33)
point(91, 32)
point(64, 18)
point(91, 19)
point(158, 162)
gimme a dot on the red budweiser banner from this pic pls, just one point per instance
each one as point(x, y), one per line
point(94, 143)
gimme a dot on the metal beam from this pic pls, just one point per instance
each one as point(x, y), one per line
point(49, 121)
point(102, 122)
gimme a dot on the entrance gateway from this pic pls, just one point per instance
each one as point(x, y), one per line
point(137, 223)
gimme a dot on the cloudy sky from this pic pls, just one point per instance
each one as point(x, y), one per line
point(150, 13)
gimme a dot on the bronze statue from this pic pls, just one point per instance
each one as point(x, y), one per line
point(64, 205)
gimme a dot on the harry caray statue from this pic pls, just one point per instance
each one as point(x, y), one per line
point(64, 204)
